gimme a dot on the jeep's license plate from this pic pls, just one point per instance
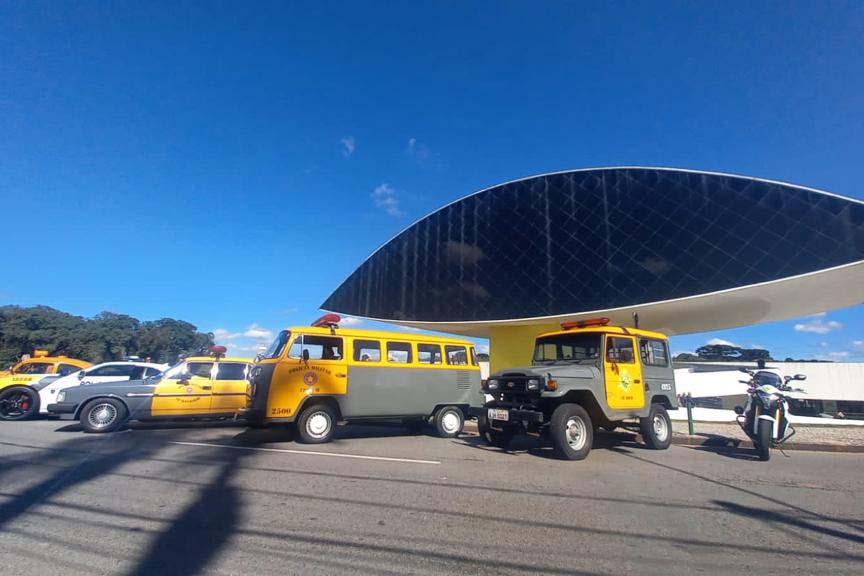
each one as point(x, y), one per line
point(498, 414)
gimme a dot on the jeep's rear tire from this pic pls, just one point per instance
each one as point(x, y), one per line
point(656, 429)
point(572, 432)
point(316, 424)
point(18, 403)
point(449, 421)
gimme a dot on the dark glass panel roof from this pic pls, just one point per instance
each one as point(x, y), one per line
point(598, 239)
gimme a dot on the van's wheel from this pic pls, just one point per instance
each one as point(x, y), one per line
point(763, 439)
point(449, 421)
point(571, 431)
point(317, 424)
point(18, 403)
point(103, 415)
point(656, 429)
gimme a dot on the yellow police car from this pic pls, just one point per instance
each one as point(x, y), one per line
point(197, 387)
point(19, 386)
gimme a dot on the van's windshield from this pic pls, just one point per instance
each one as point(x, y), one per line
point(568, 349)
point(278, 345)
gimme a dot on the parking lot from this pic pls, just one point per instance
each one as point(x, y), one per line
point(227, 500)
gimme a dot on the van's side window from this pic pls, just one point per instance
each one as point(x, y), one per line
point(429, 353)
point(620, 350)
point(367, 351)
point(319, 347)
point(456, 355)
point(653, 353)
point(399, 352)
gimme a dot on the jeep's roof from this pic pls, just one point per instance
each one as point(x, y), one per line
point(608, 330)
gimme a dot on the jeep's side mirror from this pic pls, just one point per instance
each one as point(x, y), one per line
point(799, 377)
point(80, 375)
point(739, 410)
point(305, 355)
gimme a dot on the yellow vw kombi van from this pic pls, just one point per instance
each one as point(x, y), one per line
point(314, 376)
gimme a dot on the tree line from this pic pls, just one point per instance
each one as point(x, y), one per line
point(106, 336)
point(727, 353)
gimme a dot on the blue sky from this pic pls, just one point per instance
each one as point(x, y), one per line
point(231, 164)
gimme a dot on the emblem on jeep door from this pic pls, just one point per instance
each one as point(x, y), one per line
point(625, 381)
point(310, 378)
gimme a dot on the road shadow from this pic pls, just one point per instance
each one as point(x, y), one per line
point(776, 517)
point(732, 452)
point(197, 534)
point(542, 447)
point(73, 467)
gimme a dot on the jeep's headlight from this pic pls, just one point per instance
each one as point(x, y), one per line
point(533, 384)
point(61, 396)
point(492, 384)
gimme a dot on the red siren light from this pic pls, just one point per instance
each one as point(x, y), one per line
point(331, 320)
point(218, 351)
point(584, 323)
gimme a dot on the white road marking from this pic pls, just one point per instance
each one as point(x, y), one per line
point(309, 453)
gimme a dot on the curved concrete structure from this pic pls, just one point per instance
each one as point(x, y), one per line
point(690, 251)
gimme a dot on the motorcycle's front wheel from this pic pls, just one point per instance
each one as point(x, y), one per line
point(763, 439)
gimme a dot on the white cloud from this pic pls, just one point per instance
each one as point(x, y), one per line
point(418, 150)
point(347, 321)
point(842, 354)
point(385, 198)
point(255, 331)
point(482, 348)
point(858, 343)
point(720, 342)
point(348, 145)
point(818, 326)
point(222, 335)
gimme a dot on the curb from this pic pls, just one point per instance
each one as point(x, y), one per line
point(727, 442)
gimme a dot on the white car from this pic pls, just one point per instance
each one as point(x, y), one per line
point(105, 372)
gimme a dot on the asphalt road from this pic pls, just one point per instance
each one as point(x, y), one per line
point(224, 500)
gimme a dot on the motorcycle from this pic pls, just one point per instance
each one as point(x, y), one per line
point(764, 418)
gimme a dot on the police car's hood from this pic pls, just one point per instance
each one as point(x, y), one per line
point(555, 371)
point(115, 388)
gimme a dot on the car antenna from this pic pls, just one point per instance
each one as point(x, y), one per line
point(636, 320)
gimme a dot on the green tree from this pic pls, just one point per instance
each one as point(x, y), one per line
point(107, 336)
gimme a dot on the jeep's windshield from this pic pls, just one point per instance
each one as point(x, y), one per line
point(278, 345)
point(568, 349)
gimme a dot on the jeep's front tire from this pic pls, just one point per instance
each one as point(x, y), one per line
point(656, 429)
point(572, 432)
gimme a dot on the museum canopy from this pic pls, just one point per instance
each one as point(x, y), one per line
point(689, 251)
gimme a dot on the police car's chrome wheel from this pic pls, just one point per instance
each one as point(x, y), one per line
point(576, 434)
point(102, 415)
point(317, 424)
